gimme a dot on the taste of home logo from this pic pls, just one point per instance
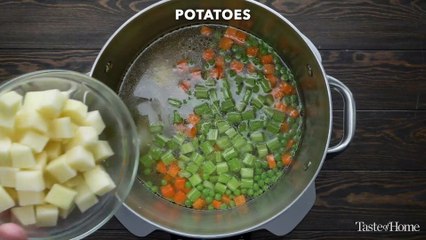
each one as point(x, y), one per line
point(391, 226)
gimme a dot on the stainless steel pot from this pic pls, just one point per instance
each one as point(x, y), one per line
point(287, 202)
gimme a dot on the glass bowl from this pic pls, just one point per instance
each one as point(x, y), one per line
point(120, 132)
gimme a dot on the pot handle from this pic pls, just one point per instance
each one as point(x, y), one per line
point(349, 117)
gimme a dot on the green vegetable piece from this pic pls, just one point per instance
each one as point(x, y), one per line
point(222, 167)
point(278, 116)
point(247, 96)
point(212, 134)
point(256, 124)
point(156, 128)
point(201, 109)
point(234, 165)
point(161, 140)
point(224, 178)
point(231, 132)
point(208, 168)
point(233, 184)
point(205, 127)
point(257, 136)
point(249, 159)
point(194, 194)
point(273, 144)
point(223, 142)
point(273, 127)
point(192, 168)
point(147, 160)
point(197, 158)
point(246, 183)
point(248, 115)
point(177, 118)
point(195, 180)
point(184, 174)
point(184, 158)
point(229, 153)
point(220, 187)
point(249, 82)
point(201, 92)
point(258, 101)
point(175, 102)
point(262, 150)
point(233, 117)
point(227, 105)
point(187, 148)
point(246, 172)
point(168, 157)
point(222, 126)
point(208, 184)
point(238, 141)
point(206, 147)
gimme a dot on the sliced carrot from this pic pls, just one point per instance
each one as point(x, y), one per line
point(225, 43)
point(267, 59)
point(284, 127)
point(167, 191)
point(199, 203)
point(220, 62)
point(252, 51)
point(231, 33)
point(179, 197)
point(290, 143)
point(277, 94)
point(286, 88)
point(206, 31)
point(182, 65)
point(240, 200)
point(185, 85)
point(240, 36)
point(292, 112)
point(271, 161)
point(286, 159)
point(226, 199)
point(237, 66)
point(208, 54)
point(216, 73)
point(280, 106)
point(216, 204)
point(272, 79)
point(269, 68)
point(193, 118)
point(191, 132)
point(173, 170)
point(180, 183)
point(168, 178)
point(161, 167)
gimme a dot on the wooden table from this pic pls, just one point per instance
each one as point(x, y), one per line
point(376, 47)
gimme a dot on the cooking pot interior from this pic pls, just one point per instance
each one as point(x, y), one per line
point(152, 23)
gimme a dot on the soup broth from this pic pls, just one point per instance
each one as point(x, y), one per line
point(219, 116)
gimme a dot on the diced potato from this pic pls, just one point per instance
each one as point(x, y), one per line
point(30, 181)
point(85, 198)
point(99, 181)
point(61, 196)
point(53, 149)
point(26, 198)
point(8, 176)
point(60, 169)
point(75, 181)
point(7, 121)
point(34, 140)
point(10, 103)
point(6, 201)
point(94, 119)
point(80, 158)
point(22, 156)
point(25, 215)
point(64, 213)
point(31, 120)
point(41, 161)
point(12, 193)
point(48, 103)
point(61, 128)
point(76, 110)
point(49, 180)
point(84, 136)
point(101, 151)
point(5, 144)
point(46, 215)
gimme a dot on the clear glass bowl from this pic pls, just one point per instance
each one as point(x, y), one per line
point(120, 132)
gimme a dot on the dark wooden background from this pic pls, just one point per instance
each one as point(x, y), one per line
point(376, 47)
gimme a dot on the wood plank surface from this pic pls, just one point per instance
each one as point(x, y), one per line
point(356, 24)
point(376, 47)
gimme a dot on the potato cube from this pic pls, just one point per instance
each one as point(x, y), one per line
point(64, 213)
point(76, 110)
point(84, 136)
point(10, 103)
point(5, 144)
point(94, 119)
point(49, 180)
point(61, 196)
point(7, 121)
point(47, 215)
point(48, 103)
point(22, 156)
point(80, 158)
point(26, 198)
point(101, 151)
point(30, 120)
point(6, 201)
point(34, 140)
point(75, 181)
point(60, 169)
point(61, 128)
point(53, 149)
point(85, 198)
point(8, 176)
point(41, 161)
point(25, 215)
point(30, 181)
point(99, 181)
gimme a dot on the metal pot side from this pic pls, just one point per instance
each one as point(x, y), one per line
point(142, 29)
